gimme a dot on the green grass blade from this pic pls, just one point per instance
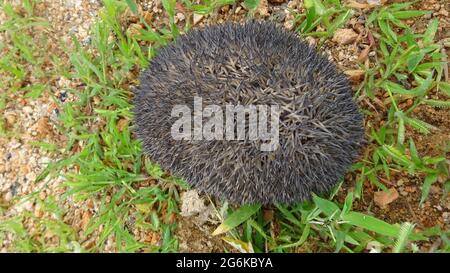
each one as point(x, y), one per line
point(429, 180)
point(405, 231)
point(236, 218)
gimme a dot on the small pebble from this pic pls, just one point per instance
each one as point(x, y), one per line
point(180, 16)
point(27, 110)
point(62, 96)
point(8, 196)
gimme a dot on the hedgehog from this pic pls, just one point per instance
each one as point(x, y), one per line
point(320, 128)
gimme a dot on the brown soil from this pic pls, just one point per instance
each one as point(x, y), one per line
point(194, 238)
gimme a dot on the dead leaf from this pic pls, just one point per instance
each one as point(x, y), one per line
point(383, 198)
point(364, 54)
point(371, 39)
point(152, 238)
point(85, 220)
point(121, 124)
point(241, 246)
point(356, 5)
point(355, 76)
point(345, 36)
point(43, 127)
point(148, 17)
point(180, 7)
point(134, 30)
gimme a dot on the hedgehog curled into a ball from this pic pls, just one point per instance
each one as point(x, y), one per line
point(320, 129)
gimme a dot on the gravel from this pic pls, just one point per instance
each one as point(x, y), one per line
point(33, 120)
